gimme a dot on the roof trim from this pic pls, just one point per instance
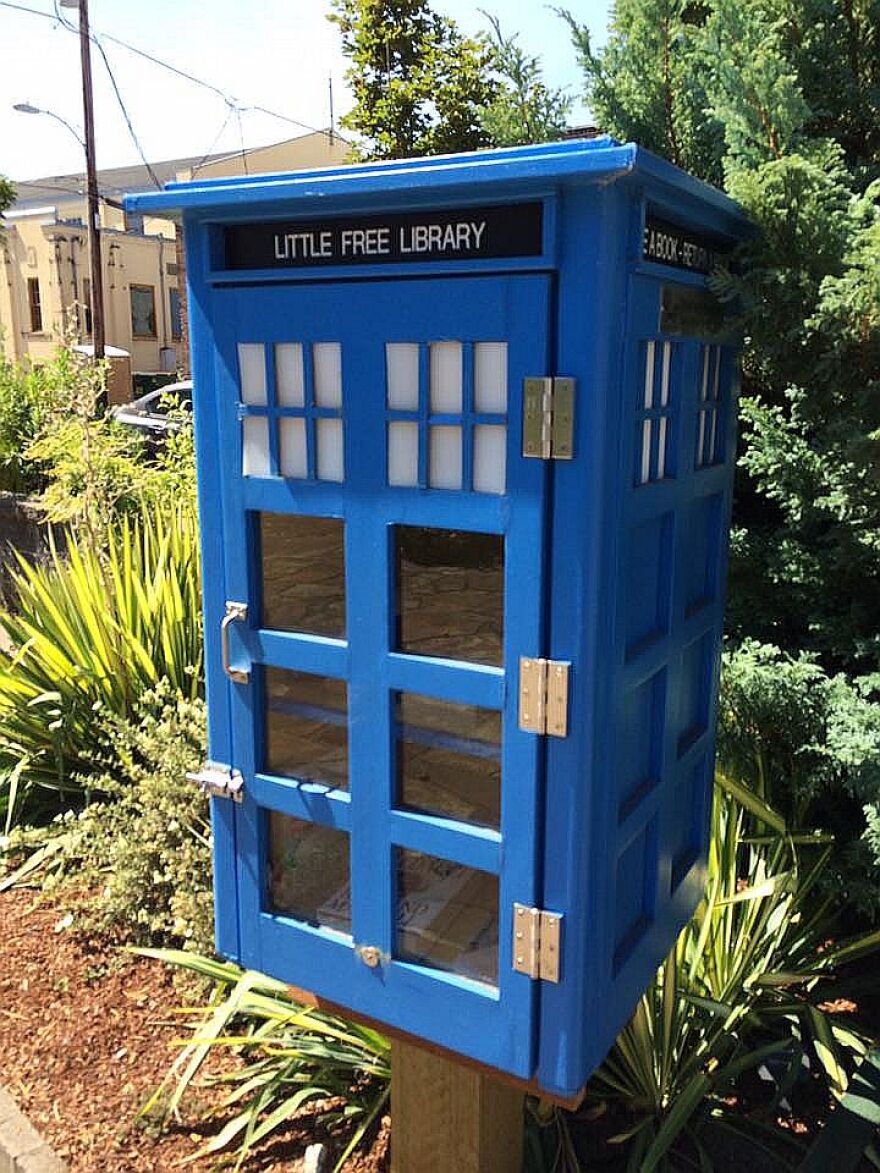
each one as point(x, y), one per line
point(593, 160)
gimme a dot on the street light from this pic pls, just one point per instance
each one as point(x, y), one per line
point(27, 108)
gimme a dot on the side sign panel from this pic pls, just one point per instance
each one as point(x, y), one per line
point(681, 248)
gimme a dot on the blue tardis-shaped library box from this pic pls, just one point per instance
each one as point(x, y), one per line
point(465, 435)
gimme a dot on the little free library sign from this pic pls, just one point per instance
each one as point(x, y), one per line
point(506, 230)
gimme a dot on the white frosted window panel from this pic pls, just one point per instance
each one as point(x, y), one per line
point(661, 449)
point(704, 389)
point(713, 432)
point(649, 375)
point(701, 440)
point(294, 458)
point(252, 368)
point(646, 452)
point(664, 381)
point(445, 458)
point(446, 377)
point(289, 383)
point(715, 382)
point(490, 458)
point(403, 453)
point(490, 377)
point(327, 361)
point(255, 447)
point(331, 465)
point(402, 367)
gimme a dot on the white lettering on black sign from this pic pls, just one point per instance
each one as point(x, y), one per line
point(500, 231)
point(665, 244)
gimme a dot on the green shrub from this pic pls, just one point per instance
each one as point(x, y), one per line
point(25, 392)
point(145, 847)
point(93, 630)
point(811, 743)
point(95, 470)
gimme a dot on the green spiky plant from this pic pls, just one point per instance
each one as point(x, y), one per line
point(89, 629)
point(292, 1056)
point(743, 985)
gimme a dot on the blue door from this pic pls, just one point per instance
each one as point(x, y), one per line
point(385, 536)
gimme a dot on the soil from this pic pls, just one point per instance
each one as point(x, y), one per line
point(86, 1036)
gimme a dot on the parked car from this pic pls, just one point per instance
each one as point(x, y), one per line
point(149, 414)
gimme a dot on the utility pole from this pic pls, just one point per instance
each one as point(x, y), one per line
point(94, 214)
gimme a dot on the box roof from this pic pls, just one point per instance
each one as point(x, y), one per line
point(448, 177)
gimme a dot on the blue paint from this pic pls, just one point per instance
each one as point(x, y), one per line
point(614, 561)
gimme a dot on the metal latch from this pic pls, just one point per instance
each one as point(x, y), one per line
point(218, 781)
point(543, 696)
point(234, 613)
point(548, 418)
point(537, 937)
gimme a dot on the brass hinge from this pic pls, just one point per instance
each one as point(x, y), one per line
point(548, 418)
point(536, 942)
point(543, 696)
point(218, 781)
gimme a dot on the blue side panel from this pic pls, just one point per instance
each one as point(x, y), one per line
point(675, 474)
point(206, 425)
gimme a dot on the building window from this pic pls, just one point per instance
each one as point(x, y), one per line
point(176, 317)
point(33, 288)
point(134, 222)
point(143, 311)
point(86, 306)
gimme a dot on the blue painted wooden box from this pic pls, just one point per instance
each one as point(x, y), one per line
point(465, 433)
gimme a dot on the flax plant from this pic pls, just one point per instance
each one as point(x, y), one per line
point(90, 629)
point(741, 988)
point(291, 1057)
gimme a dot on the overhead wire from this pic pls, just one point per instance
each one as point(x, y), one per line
point(172, 69)
point(230, 111)
point(134, 138)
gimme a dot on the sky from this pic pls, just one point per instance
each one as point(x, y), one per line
point(278, 54)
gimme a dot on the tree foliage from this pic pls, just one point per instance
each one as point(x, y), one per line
point(524, 109)
point(7, 194)
point(779, 101)
point(419, 86)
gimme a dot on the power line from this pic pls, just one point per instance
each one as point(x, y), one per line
point(173, 69)
point(217, 138)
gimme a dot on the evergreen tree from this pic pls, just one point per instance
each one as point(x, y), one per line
point(419, 86)
point(779, 100)
point(524, 109)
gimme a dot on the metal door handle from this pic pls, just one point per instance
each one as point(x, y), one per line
point(234, 612)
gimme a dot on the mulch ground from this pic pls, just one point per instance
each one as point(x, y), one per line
point(85, 1038)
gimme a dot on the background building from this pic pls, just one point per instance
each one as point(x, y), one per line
point(44, 283)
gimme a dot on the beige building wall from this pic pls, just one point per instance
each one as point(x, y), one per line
point(48, 252)
point(44, 252)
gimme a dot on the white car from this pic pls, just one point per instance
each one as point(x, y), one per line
point(149, 414)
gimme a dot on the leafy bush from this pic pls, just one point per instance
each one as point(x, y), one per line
point(145, 847)
point(96, 470)
point(294, 1056)
point(25, 392)
point(89, 630)
point(142, 848)
point(811, 742)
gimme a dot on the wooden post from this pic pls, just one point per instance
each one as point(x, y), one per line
point(447, 1117)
